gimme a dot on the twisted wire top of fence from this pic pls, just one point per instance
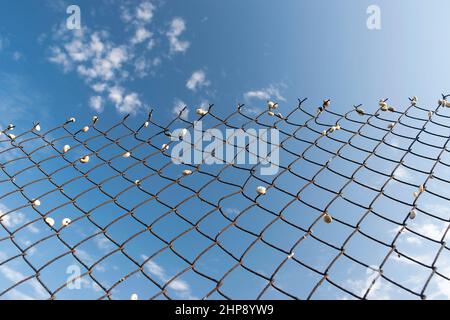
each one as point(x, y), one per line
point(358, 209)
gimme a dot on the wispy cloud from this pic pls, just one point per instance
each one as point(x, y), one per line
point(181, 287)
point(178, 106)
point(96, 103)
point(232, 212)
point(438, 209)
point(87, 258)
point(103, 243)
point(197, 80)
point(431, 230)
point(271, 92)
point(17, 56)
point(19, 99)
point(377, 292)
point(15, 276)
point(402, 174)
point(177, 27)
point(15, 219)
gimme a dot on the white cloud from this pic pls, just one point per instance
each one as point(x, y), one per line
point(181, 287)
point(15, 219)
point(125, 103)
point(258, 94)
point(96, 44)
point(431, 230)
point(142, 65)
point(15, 294)
point(99, 87)
point(87, 258)
point(414, 240)
point(96, 103)
point(141, 35)
point(61, 58)
point(402, 174)
point(178, 107)
point(116, 94)
point(117, 56)
point(77, 50)
point(437, 209)
point(197, 80)
point(378, 291)
point(144, 11)
point(11, 274)
point(106, 65)
point(84, 256)
point(131, 104)
point(253, 111)
point(232, 212)
point(177, 27)
point(155, 269)
point(265, 94)
point(443, 289)
point(95, 58)
point(104, 243)
point(439, 287)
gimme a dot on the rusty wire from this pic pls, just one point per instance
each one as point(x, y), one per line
point(303, 125)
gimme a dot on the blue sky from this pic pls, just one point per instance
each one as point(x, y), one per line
point(132, 56)
point(299, 49)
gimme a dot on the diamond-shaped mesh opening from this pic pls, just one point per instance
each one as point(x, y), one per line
point(357, 208)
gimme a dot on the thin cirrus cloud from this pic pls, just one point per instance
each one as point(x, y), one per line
point(108, 66)
point(181, 287)
point(271, 91)
point(32, 287)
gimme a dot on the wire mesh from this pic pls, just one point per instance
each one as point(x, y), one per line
point(346, 216)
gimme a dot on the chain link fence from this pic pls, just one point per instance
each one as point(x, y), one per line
point(357, 210)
